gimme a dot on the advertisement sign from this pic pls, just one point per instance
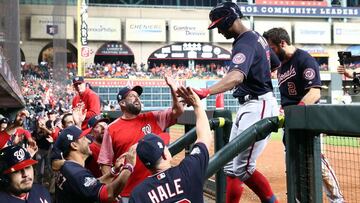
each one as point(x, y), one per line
point(300, 11)
point(191, 51)
point(217, 37)
point(104, 29)
point(312, 32)
point(263, 26)
point(145, 30)
point(114, 48)
point(44, 27)
point(292, 2)
point(346, 33)
point(189, 30)
point(129, 83)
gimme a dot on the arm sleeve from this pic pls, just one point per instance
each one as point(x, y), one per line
point(311, 73)
point(164, 118)
point(91, 188)
point(242, 58)
point(106, 154)
point(195, 165)
point(94, 106)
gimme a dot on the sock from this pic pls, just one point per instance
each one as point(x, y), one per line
point(234, 189)
point(261, 187)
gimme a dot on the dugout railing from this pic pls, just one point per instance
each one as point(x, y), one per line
point(303, 145)
point(221, 122)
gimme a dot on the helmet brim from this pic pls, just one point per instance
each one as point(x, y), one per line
point(215, 23)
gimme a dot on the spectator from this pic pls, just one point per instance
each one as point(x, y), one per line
point(180, 183)
point(17, 177)
point(133, 126)
point(98, 125)
point(3, 123)
point(349, 70)
point(75, 183)
point(86, 97)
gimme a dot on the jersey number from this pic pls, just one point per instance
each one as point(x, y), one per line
point(291, 88)
point(183, 201)
point(60, 181)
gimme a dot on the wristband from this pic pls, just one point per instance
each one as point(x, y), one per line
point(114, 171)
point(128, 167)
point(301, 103)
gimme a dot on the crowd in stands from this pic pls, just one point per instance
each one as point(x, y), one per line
point(154, 71)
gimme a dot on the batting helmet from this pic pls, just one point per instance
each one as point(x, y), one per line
point(223, 15)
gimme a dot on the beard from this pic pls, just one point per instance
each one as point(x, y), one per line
point(281, 54)
point(133, 109)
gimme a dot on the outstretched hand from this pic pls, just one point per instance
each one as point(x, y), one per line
point(188, 96)
point(171, 82)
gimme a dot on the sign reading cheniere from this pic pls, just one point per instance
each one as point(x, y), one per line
point(296, 11)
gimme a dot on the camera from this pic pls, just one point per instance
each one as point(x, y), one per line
point(345, 59)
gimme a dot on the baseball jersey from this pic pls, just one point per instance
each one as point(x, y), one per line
point(297, 76)
point(92, 104)
point(182, 184)
point(122, 134)
point(76, 184)
point(91, 161)
point(251, 56)
point(37, 194)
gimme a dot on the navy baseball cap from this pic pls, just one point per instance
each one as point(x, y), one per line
point(78, 80)
point(67, 136)
point(149, 149)
point(125, 90)
point(14, 158)
point(96, 119)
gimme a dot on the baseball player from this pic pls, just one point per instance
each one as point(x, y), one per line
point(133, 126)
point(249, 76)
point(300, 84)
point(17, 176)
point(183, 183)
point(75, 183)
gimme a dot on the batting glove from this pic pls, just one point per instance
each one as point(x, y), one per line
point(202, 93)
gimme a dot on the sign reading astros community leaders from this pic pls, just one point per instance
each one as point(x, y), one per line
point(296, 11)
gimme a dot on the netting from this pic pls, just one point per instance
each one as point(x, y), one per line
point(343, 156)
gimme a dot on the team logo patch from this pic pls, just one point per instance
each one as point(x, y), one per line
point(309, 74)
point(20, 155)
point(239, 58)
point(90, 181)
point(196, 150)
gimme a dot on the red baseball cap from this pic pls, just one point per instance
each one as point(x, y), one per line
point(15, 158)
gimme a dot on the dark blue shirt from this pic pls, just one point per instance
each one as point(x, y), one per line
point(182, 184)
point(76, 184)
point(37, 194)
point(251, 56)
point(297, 76)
